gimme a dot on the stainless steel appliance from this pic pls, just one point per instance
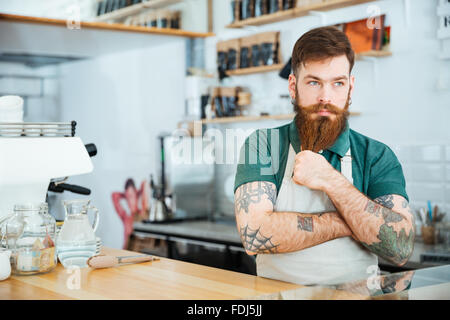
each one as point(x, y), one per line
point(184, 184)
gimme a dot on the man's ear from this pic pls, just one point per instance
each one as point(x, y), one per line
point(292, 85)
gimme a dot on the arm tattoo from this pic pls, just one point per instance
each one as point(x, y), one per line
point(386, 201)
point(252, 193)
point(254, 241)
point(395, 246)
point(388, 214)
point(305, 224)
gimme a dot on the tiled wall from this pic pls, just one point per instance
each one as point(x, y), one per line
point(427, 174)
point(38, 88)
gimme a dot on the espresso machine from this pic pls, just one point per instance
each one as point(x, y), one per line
point(37, 158)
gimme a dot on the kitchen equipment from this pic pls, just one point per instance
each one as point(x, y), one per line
point(30, 235)
point(5, 264)
point(32, 154)
point(57, 187)
point(163, 204)
point(103, 261)
point(76, 242)
point(185, 178)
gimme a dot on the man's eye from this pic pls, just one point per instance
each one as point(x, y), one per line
point(313, 83)
point(339, 84)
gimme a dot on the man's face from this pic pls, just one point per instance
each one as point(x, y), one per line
point(321, 93)
point(322, 82)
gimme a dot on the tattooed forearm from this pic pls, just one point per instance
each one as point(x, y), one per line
point(273, 231)
point(393, 245)
point(384, 226)
point(254, 241)
point(253, 193)
point(305, 223)
point(387, 214)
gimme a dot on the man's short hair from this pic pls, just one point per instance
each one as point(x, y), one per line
point(321, 43)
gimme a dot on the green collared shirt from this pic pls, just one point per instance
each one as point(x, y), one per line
point(376, 170)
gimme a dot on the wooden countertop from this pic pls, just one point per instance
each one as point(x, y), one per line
point(171, 279)
point(163, 279)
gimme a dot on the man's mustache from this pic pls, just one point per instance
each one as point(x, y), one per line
point(320, 106)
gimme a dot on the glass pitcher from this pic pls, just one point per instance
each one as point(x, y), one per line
point(76, 241)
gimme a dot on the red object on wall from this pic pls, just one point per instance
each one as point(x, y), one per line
point(138, 206)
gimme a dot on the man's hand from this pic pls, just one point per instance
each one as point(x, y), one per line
point(312, 170)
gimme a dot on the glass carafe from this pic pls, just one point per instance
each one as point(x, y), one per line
point(30, 235)
point(76, 241)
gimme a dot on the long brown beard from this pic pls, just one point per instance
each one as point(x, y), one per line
point(322, 132)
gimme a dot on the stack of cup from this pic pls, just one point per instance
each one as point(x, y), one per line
point(11, 109)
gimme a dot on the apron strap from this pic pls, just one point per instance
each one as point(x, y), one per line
point(289, 171)
point(346, 164)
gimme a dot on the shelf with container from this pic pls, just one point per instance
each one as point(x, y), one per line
point(248, 55)
point(133, 8)
point(297, 9)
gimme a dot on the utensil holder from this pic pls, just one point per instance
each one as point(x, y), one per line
point(428, 234)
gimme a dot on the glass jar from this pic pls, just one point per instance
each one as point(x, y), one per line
point(30, 235)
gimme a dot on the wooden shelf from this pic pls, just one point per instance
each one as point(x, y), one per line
point(104, 26)
point(53, 37)
point(374, 53)
point(135, 9)
point(256, 118)
point(244, 71)
point(295, 13)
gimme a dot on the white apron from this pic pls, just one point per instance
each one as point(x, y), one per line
point(332, 262)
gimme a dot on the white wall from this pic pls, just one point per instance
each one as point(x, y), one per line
point(121, 102)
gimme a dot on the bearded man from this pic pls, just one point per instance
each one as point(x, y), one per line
point(330, 200)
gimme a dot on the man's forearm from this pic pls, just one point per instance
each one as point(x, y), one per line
point(383, 231)
point(279, 232)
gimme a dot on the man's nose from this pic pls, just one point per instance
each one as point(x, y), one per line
point(324, 97)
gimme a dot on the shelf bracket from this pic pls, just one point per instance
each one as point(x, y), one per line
point(321, 15)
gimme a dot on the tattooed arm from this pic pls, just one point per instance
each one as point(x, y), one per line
point(385, 225)
point(264, 231)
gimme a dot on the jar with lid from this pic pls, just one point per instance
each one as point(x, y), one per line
point(30, 235)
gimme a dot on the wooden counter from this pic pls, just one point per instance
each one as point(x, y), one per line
point(171, 279)
point(163, 279)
